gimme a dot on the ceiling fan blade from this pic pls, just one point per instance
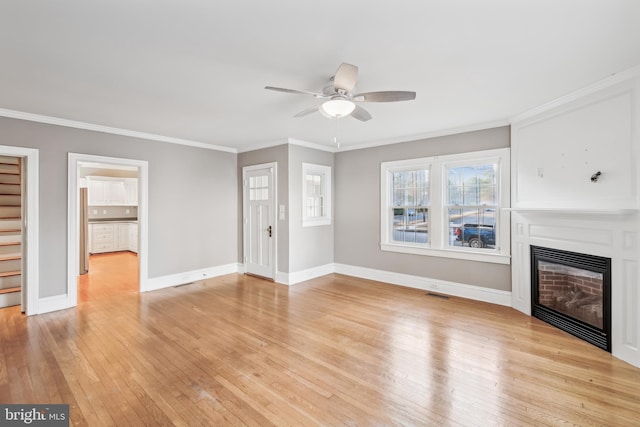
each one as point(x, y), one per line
point(307, 111)
point(361, 114)
point(301, 92)
point(345, 78)
point(385, 96)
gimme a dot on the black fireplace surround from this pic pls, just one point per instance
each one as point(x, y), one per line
point(572, 291)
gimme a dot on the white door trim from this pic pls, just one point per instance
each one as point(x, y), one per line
point(73, 221)
point(31, 222)
point(274, 241)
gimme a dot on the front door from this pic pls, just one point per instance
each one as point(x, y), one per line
point(259, 219)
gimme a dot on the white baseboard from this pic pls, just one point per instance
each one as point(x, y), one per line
point(8, 300)
point(440, 286)
point(310, 273)
point(282, 278)
point(161, 282)
point(290, 279)
point(54, 303)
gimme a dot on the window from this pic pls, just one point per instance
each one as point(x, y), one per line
point(316, 195)
point(448, 206)
point(410, 205)
point(471, 205)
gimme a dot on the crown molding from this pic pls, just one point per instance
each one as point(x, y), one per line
point(106, 129)
point(314, 145)
point(427, 135)
point(605, 83)
point(262, 145)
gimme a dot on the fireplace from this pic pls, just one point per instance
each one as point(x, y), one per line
point(572, 291)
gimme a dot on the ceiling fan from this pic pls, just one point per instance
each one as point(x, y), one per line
point(340, 99)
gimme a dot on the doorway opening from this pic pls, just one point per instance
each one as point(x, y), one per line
point(107, 227)
point(19, 228)
point(108, 230)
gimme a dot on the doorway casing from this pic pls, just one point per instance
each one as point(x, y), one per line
point(30, 225)
point(73, 219)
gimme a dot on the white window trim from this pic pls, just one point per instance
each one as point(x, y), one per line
point(325, 172)
point(438, 238)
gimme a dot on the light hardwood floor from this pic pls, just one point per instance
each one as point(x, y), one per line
point(337, 350)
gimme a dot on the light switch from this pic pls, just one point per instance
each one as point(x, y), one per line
point(104, 212)
point(281, 213)
point(127, 211)
point(95, 211)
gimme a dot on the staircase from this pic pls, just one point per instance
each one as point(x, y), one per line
point(10, 232)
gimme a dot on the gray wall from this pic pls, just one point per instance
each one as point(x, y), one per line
point(279, 155)
point(357, 211)
point(309, 246)
point(192, 198)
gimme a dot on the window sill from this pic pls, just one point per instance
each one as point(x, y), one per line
point(493, 257)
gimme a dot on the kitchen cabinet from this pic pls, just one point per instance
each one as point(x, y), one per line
point(131, 191)
point(133, 237)
point(108, 191)
point(113, 236)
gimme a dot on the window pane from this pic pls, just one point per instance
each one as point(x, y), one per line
point(410, 225)
point(472, 227)
point(472, 185)
point(410, 188)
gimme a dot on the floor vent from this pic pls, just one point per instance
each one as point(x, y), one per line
point(184, 284)
point(431, 294)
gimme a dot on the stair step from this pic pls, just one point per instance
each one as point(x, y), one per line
point(11, 257)
point(10, 243)
point(10, 250)
point(9, 178)
point(10, 290)
point(10, 273)
point(10, 212)
point(9, 160)
point(10, 200)
point(13, 189)
point(10, 168)
point(15, 279)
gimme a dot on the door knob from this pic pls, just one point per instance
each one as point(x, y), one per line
point(269, 230)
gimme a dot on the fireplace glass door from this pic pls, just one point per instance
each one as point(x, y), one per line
point(572, 291)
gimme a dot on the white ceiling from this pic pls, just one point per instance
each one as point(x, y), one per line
point(196, 69)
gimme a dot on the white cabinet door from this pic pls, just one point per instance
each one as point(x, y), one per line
point(131, 192)
point(107, 191)
point(133, 237)
point(115, 193)
point(97, 192)
point(103, 238)
point(123, 236)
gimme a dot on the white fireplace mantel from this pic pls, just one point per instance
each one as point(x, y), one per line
point(556, 205)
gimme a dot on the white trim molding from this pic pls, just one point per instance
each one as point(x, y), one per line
point(55, 303)
point(477, 293)
point(310, 273)
point(13, 114)
point(170, 280)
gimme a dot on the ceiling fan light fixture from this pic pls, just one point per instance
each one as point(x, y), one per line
point(336, 108)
